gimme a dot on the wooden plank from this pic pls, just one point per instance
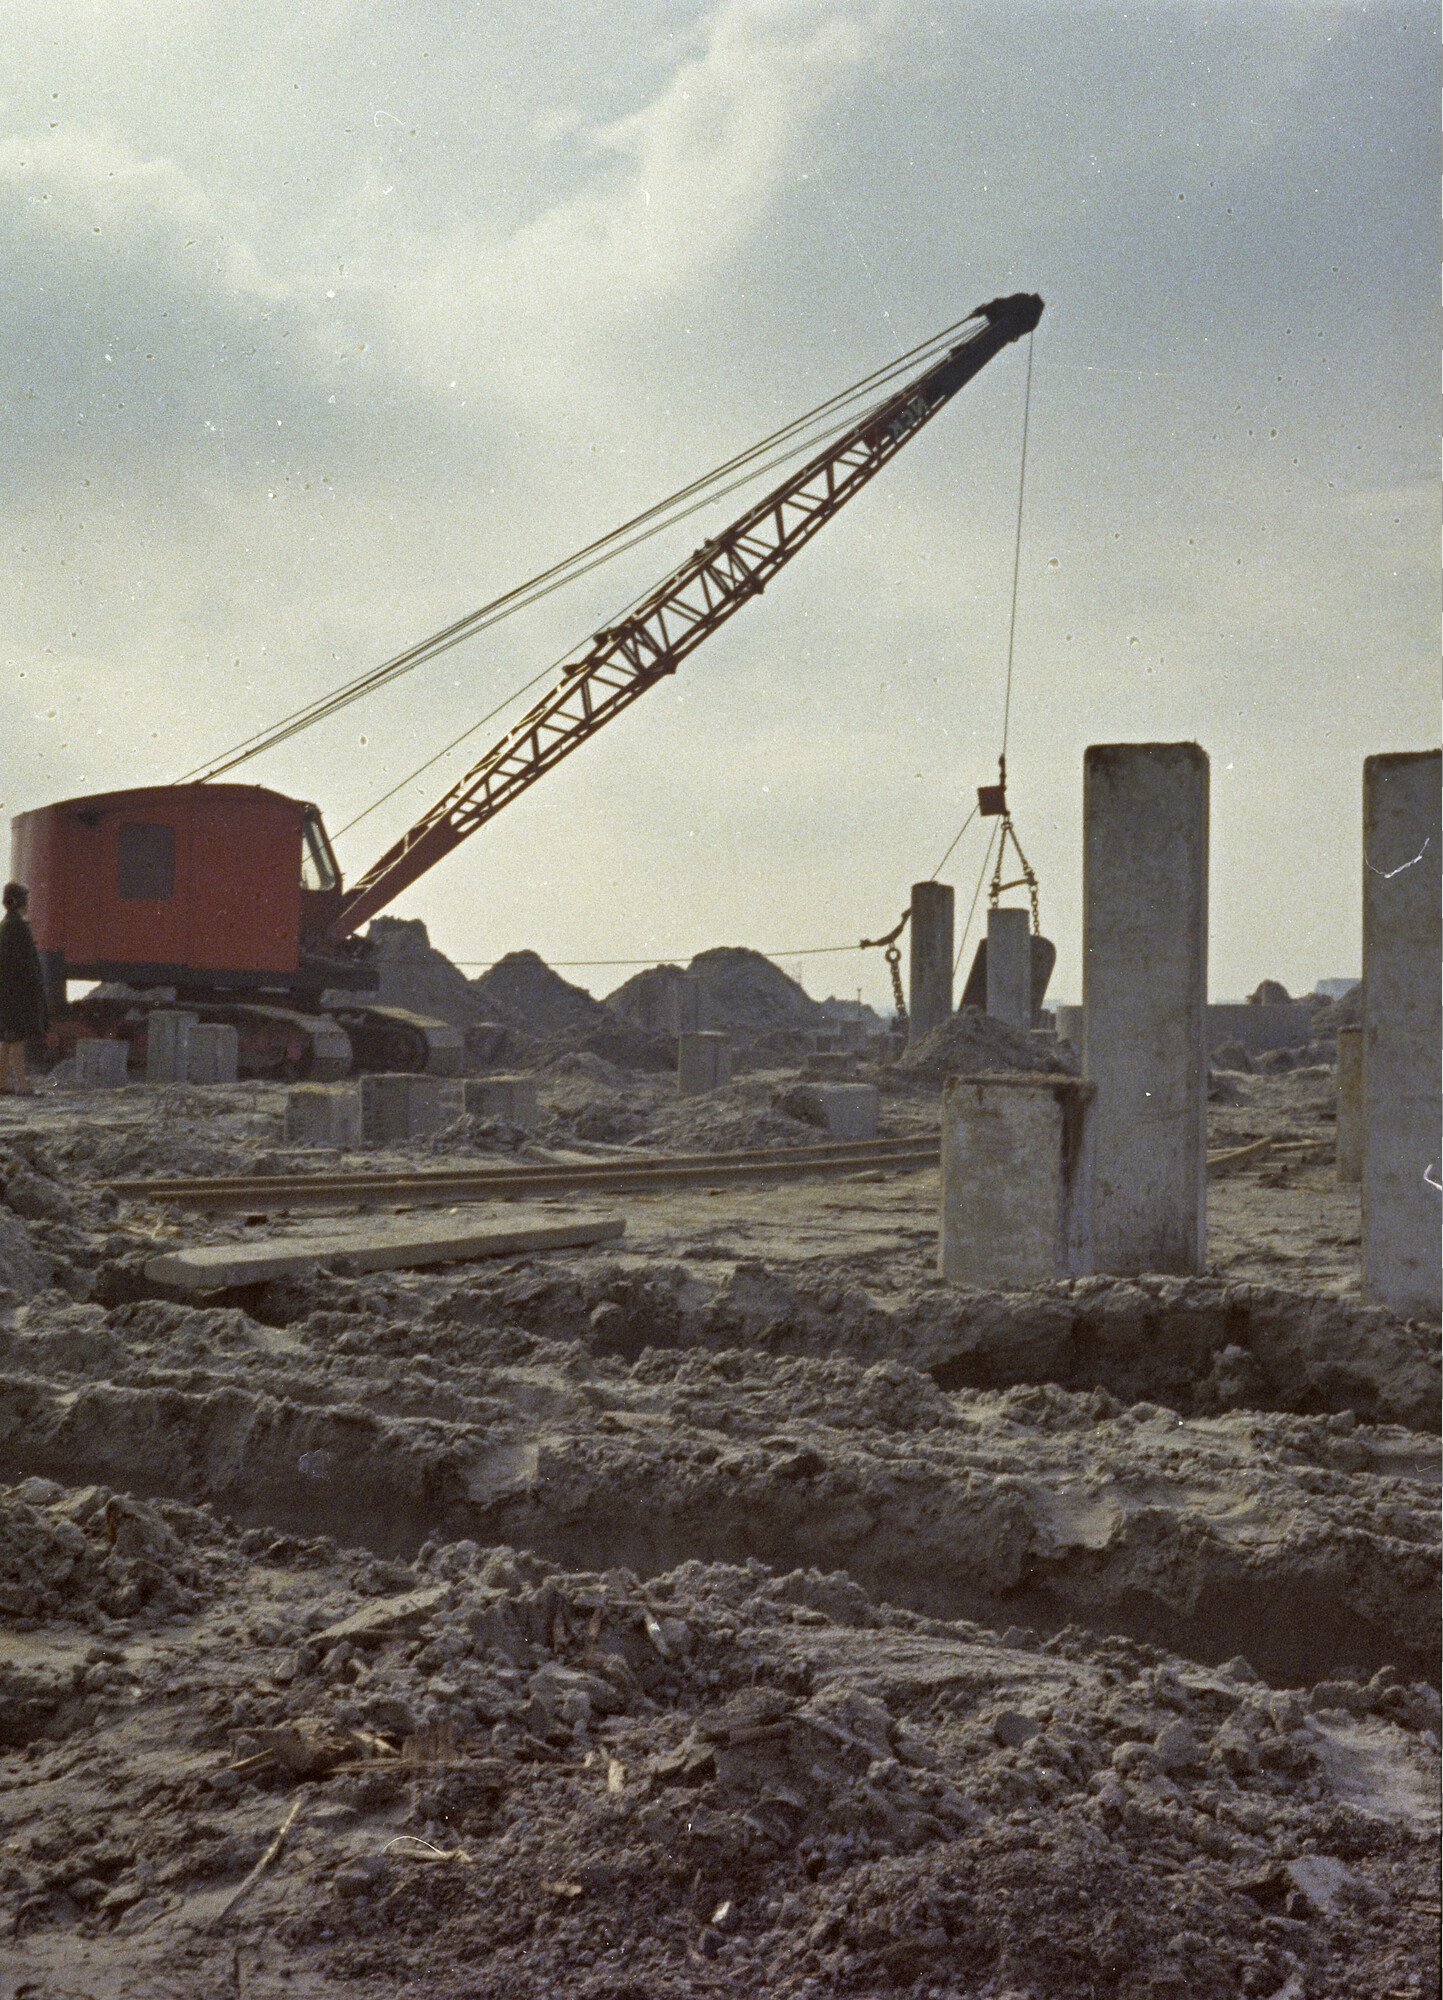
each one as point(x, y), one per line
point(387, 1246)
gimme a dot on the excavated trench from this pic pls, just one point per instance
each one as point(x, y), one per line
point(1305, 1543)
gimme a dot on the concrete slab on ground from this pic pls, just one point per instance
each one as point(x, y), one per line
point(383, 1245)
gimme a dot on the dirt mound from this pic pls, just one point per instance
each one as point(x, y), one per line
point(415, 975)
point(972, 1041)
point(86, 1554)
point(977, 1500)
point(748, 995)
point(1330, 1015)
point(618, 1042)
point(738, 1117)
point(522, 991)
point(160, 1147)
point(591, 1099)
point(25, 1270)
point(471, 1134)
point(649, 999)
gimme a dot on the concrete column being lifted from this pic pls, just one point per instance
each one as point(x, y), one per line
point(1402, 1019)
point(929, 1001)
point(1009, 968)
point(1144, 991)
point(1350, 1106)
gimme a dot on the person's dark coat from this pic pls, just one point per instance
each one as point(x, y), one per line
point(23, 1013)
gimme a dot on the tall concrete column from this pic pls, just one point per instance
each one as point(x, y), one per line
point(1009, 968)
point(1350, 1105)
point(1144, 994)
point(930, 998)
point(1402, 1019)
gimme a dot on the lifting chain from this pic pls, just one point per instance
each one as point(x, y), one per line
point(893, 954)
point(992, 804)
point(1025, 880)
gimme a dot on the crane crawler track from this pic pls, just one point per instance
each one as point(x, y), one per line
point(439, 1187)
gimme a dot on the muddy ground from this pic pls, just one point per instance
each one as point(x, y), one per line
point(733, 1610)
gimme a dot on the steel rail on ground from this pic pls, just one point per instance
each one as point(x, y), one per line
point(440, 1185)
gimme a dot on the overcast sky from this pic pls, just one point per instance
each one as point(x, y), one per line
point(322, 324)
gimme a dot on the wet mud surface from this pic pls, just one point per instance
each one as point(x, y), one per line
point(734, 1610)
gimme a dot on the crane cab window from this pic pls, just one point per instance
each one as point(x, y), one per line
point(145, 863)
point(318, 864)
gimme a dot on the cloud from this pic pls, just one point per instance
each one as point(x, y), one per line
point(675, 191)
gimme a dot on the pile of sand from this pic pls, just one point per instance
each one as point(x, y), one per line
point(1330, 1015)
point(746, 995)
point(620, 1043)
point(972, 1041)
point(649, 999)
point(749, 995)
point(739, 1117)
point(522, 991)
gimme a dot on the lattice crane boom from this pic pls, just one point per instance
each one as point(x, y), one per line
point(621, 662)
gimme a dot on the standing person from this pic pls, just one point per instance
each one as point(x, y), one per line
point(22, 991)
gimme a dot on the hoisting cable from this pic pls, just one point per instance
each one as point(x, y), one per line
point(793, 438)
point(1017, 547)
point(948, 855)
point(972, 907)
point(992, 799)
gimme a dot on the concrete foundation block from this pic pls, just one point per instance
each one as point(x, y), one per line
point(397, 1107)
point(849, 1109)
point(1144, 937)
point(1402, 1030)
point(1017, 1163)
point(703, 1062)
point(101, 1065)
point(930, 999)
point(1350, 1106)
point(167, 1046)
point(214, 1051)
point(1009, 968)
point(509, 1097)
point(323, 1114)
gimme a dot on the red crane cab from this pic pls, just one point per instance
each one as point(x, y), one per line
point(210, 889)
